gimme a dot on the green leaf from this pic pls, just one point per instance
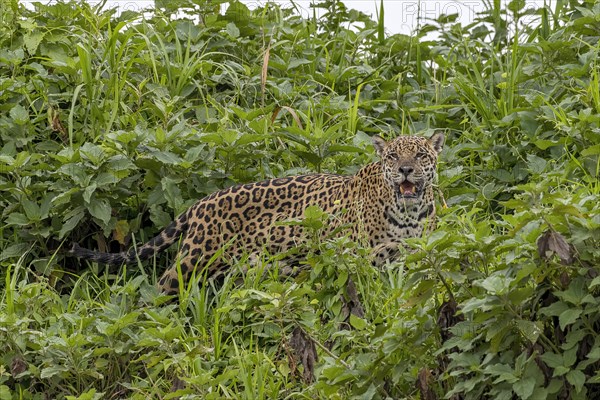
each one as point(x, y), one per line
point(19, 114)
point(70, 224)
point(570, 356)
point(105, 178)
point(529, 329)
point(544, 144)
point(166, 157)
point(568, 317)
point(503, 175)
point(14, 251)
point(6, 159)
point(483, 304)
point(172, 193)
point(371, 393)
point(496, 284)
point(552, 360)
point(342, 278)
point(100, 209)
point(120, 163)
point(237, 12)
point(594, 354)
point(89, 395)
point(560, 370)
point(539, 393)
point(341, 148)
point(95, 154)
point(503, 372)
point(312, 158)
point(250, 138)
point(12, 57)
point(591, 151)
point(516, 5)
point(357, 322)
point(536, 164)
point(296, 62)
point(32, 41)
point(436, 238)
point(32, 210)
point(88, 192)
point(49, 372)
point(5, 392)
point(555, 309)
point(75, 172)
point(232, 30)
point(576, 378)
point(17, 219)
point(575, 293)
point(524, 387)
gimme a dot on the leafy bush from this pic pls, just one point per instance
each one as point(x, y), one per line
point(110, 125)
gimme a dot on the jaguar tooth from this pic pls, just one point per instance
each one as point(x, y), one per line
point(407, 188)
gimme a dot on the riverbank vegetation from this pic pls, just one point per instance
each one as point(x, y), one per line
point(112, 124)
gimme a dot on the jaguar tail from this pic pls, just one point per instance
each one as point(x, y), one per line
point(164, 239)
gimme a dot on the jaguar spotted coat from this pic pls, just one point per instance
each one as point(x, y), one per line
point(381, 204)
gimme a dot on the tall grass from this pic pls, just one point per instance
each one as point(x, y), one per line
point(111, 125)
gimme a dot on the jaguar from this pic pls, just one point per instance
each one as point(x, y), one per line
point(381, 204)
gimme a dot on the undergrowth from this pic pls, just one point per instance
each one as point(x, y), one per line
point(112, 124)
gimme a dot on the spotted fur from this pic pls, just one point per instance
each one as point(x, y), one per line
point(382, 203)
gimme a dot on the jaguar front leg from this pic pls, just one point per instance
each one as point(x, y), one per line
point(384, 252)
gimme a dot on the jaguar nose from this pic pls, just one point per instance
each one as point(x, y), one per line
point(406, 170)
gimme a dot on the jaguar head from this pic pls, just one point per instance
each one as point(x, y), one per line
point(409, 163)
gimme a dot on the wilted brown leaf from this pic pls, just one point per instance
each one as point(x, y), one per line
point(305, 351)
point(424, 380)
point(552, 242)
point(291, 111)
point(17, 366)
point(121, 232)
point(354, 303)
point(56, 125)
point(263, 73)
point(447, 318)
point(177, 384)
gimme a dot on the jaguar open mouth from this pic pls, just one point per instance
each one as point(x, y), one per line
point(407, 189)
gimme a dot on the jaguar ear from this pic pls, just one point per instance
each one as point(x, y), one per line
point(379, 144)
point(437, 141)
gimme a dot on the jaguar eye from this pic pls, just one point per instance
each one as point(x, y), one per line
point(392, 157)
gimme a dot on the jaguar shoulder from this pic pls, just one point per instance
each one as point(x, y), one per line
point(383, 203)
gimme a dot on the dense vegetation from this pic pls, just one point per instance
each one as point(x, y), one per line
point(110, 125)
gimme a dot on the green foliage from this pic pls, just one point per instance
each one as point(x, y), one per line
point(110, 125)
